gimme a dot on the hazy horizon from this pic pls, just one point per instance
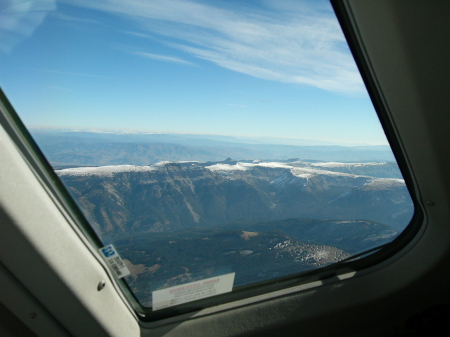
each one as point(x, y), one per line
point(262, 138)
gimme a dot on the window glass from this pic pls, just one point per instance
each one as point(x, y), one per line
point(214, 144)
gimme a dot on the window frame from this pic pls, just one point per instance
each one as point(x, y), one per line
point(258, 291)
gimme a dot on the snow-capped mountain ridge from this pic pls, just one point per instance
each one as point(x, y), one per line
point(297, 168)
point(168, 195)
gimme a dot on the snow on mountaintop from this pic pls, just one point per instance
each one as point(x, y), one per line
point(227, 167)
point(105, 171)
point(313, 171)
point(380, 183)
point(162, 163)
point(298, 169)
point(302, 172)
point(246, 166)
point(270, 165)
point(338, 164)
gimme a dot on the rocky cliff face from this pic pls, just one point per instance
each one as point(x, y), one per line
point(173, 196)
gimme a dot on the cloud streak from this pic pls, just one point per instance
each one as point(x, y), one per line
point(162, 58)
point(283, 41)
point(72, 19)
point(19, 20)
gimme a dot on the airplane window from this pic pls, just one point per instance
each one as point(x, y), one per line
point(211, 145)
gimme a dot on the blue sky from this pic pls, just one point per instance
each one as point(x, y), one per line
point(250, 68)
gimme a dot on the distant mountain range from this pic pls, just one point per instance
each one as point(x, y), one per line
point(173, 196)
point(125, 136)
point(177, 222)
point(64, 148)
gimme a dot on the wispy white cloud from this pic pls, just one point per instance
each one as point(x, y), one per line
point(73, 19)
point(162, 58)
point(146, 36)
point(286, 41)
point(19, 20)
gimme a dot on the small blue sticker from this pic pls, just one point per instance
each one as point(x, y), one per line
point(108, 251)
point(114, 261)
